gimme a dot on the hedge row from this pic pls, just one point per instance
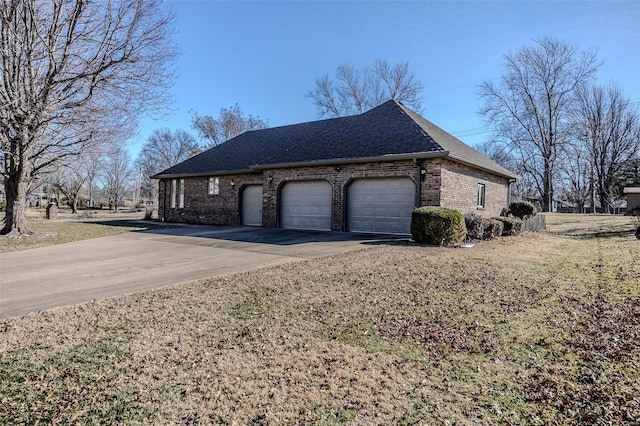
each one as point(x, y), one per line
point(441, 226)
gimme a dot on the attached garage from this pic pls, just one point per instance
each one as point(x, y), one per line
point(381, 205)
point(306, 205)
point(251, 207)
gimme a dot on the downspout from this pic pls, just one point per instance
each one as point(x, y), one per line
point(509, 191)
point(164, 200)
point(419, 185)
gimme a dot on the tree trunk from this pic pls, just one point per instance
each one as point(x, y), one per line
point(547, 197)
point(15, 187)
point(604, 200)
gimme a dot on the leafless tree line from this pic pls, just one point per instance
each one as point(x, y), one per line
point(354, 91)
point(566, 136)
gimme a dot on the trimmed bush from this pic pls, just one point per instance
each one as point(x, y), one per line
point(638, 233)
point(493, 229)
point(437, 226)
point(511, 225)
point(522, 209)
point(475, 226)
point(482, 228)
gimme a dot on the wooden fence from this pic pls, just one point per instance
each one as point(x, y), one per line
point(536, 223)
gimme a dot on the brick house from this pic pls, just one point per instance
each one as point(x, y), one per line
point(362, 173)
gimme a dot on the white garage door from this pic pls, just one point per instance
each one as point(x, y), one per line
point(252, 205)
point(306, 205)
point(381, 205)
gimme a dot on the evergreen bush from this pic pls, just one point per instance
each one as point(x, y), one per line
point(482, 228)
point(475, 225)
point(437, 226)
point(493, 229)
point(522, 210)
point(511, 225)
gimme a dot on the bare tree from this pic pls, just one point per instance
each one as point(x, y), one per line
point(116, 174)
point(608, 126)
point(530, 108)
point(69, 180)
point(74, 74)
point(162, 150)
point(92, 166)
point(576, 172)
point(354, 91)
point(501, 153)
point(230, 123)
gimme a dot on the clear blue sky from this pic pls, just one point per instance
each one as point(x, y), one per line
point(266, 55)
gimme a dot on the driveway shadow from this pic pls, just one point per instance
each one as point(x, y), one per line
point(283, 237)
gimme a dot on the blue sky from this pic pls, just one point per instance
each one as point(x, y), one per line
point(266, 55)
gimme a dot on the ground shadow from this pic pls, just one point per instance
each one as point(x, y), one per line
point(590, 233)
point(249, 234)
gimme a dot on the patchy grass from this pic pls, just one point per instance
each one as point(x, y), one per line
point(51, 232)
point(537, 329)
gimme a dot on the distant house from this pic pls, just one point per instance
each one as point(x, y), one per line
point(633, 200)
point(362, 173)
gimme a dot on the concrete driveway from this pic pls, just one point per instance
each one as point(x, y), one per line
point(82, 271)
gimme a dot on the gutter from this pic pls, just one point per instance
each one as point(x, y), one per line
point(488, 169)
point(199, 174)
point(257, 168)
point(359, 160)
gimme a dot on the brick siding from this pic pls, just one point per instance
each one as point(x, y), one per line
point(202, 208)
point(339, 177)
point(460, 189)
point(441, 182)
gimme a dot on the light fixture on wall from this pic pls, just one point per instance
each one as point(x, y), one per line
point(423, 173)
point(233, 183)
point(338, 168)
point(269, 179)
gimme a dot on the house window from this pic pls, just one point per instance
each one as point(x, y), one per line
point(173, 193)
point(214, 186)
point(181, 194)
point(481, 194)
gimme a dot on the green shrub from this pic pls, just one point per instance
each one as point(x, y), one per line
point(475, 225)
point(522, 209)
point(493, 229)
point(437, 226)
point(482, 228)
point(511, 225)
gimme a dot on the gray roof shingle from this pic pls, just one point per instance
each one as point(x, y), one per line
point(389, 131)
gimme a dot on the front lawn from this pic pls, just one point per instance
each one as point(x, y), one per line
point(538, 329)
point(51, 232)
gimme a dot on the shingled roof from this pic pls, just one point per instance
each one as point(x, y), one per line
point(388, 132)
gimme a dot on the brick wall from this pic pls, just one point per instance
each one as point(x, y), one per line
point(441, 182)
point(460, 186)
point(339, 177)
point(202, 208)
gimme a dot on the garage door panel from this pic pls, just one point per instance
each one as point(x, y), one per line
point(306, 205)
point(252, 205)
point(381, 205)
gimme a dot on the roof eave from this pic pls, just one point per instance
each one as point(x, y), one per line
point(200, 174)
point(488, 169)
point(358, 160)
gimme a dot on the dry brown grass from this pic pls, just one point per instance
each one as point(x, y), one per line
point(537, 329)
point(60, 231)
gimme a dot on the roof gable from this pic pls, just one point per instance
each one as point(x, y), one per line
point(389, 131)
